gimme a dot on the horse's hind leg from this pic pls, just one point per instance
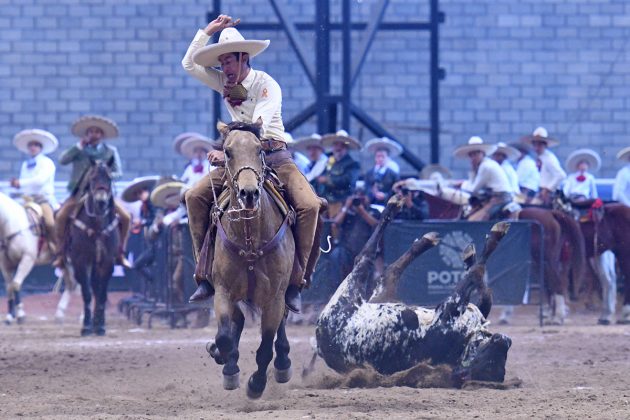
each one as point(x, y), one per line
point(270, 321)
point(282, 363)
point(86, 292)
point(99, 287)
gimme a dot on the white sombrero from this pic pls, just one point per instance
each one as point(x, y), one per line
point(303, 143)
point(624, 153)
point(434, 170)
point(188, 146)
point(130, 194)
point(475, 143)
point(48, 140)
point(177, 141)
point(540, 134)
point(509, 151)
point(108, 126)
point(393, 148)
point(230, 41)
point(343, 137)
point(167, 194)
point(590, 156)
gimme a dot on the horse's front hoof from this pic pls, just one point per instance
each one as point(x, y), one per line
point(9, 319)
point(231, 382)
point(85, 331)
point(21, 320)
point(100, 331)
point(283, 376)
point(214, 352)
point(623, 321)
point(254, 389)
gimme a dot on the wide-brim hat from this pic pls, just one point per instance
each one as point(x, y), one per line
point(130, 194)
point(48, 140)
point(343, 137)
point(167, 193)
point(624, 153)
point(475, 143)
point(189, 145)
point(540, 134)
point(109, 127)
point(521, 147)
point(177, 141)
point(590, 156)
point(429, 170)
point(230, 41)
point(510, 152)
point(303, 143)
point(392, 147)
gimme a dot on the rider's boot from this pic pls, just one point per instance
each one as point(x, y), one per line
point(293, 298)
point(204, 291)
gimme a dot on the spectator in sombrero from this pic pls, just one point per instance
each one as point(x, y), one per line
point(312, 148)
point(526, 171)
point(381, 178)
point(503, 155)
point(551, 173)
point(621, 188)
point(580, 185)
point(194, 147)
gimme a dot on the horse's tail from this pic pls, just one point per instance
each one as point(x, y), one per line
point(571, 231)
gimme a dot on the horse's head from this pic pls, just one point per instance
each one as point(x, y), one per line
point(99, 180)
point(244, 161)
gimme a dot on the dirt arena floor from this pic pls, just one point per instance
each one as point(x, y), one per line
point(48, 371)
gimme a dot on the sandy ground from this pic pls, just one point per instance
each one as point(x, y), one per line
point(579, 370)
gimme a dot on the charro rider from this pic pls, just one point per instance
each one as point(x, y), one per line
point(580, 185)
point(248, 95)
point(37, 176)
point(91, 130)
point(487, 178)
point(551, 172)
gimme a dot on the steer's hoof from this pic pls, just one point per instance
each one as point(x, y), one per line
point(231, 382)
point(283, 376)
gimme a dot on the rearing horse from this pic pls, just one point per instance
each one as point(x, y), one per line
point(253, 261)
point(93, 238)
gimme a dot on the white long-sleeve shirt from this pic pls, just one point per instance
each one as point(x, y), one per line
point(587, 188)
point(551, 172)
point(190, 177)
point(527, 172)
point(264, 96)
point(39, 179)
point(621, 188)
point(318, 168)
point(511, 176)
point(490, 176)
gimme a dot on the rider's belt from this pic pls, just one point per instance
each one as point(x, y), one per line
point(272, 145)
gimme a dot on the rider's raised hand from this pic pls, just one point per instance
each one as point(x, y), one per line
point(220, 23)
point(216, 157)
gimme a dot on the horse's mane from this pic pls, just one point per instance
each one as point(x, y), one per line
point(242, 126)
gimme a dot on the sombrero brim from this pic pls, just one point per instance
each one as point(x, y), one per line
point(624, 153)
point(351, 143)
point(301, 145)
point(109, 127)
point(188, 146)
point(511, 152)
point(394, 149)
point(48, 140)
point(428, 170)
point(208, 56)
point(530, 139)
point(167, 194)
point(462, 151)
point(130, 193)
point(177, 142)
point(593, 160)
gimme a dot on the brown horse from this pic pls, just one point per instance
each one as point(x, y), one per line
point(253, 261)
point(558, 229)
point(609, 229)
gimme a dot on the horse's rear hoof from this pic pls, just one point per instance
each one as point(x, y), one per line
point(254, 391)
point(86, 331)
point(21, 320)
point(100, 332)
point(283, 376)
point(231, 382)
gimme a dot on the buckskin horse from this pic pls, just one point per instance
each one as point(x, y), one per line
point(558, 229)
point(92, 244)
point(20, 250)
point(253, 261)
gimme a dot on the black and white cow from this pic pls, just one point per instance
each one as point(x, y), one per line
point(355, 331)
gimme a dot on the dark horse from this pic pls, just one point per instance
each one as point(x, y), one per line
point(558, 228)
point(253, 261)
point(93, 239)
point(608, 228)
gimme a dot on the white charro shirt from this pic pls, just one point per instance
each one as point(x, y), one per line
point(264, 96)
point(621, 188)
point(511, 176)
point(190, 177)
point(489, 176)
point(573, 187)
point(551, 172)
point(318, 168)
point(39, 179)
point(527, 173)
